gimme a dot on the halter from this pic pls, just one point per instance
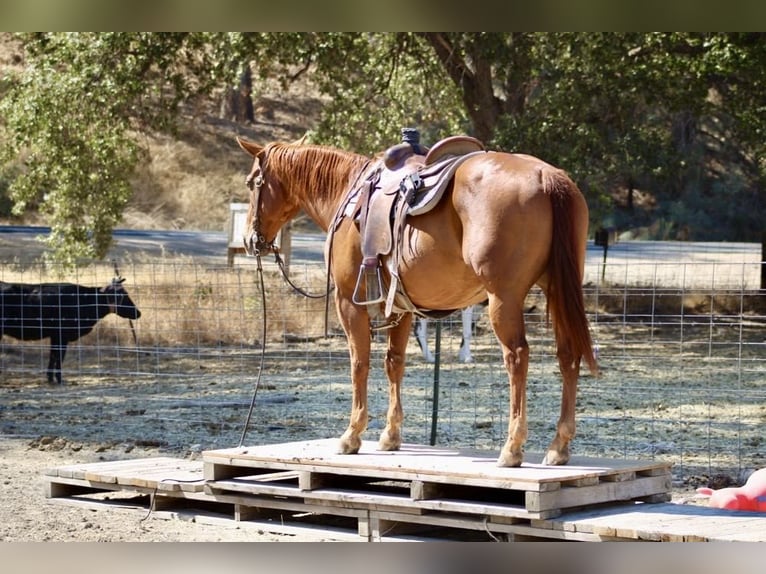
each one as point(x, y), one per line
point(254, 184)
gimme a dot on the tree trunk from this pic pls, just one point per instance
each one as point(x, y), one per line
point(475, 84)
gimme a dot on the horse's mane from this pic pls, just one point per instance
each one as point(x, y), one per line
point(318, 170)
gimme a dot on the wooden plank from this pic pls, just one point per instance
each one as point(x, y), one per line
point(666, 522)
point(76, 470)
point(114, 471)
point(324, 497)
point(417, 462)
point(255, 488)
point(297, 506)
point(551, 534)
point(484, 509)
point(169, 477)
point(602, 492)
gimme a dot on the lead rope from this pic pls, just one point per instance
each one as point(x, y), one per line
point(287, 279)
point(259, 268)
point(328, 287)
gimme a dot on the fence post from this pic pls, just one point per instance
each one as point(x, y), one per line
point(602, 240)
point(763, 260)
point(236, 231)
point(437, 360)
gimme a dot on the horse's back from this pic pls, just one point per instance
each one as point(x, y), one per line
point(493, 231)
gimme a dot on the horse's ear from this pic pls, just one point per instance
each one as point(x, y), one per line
point(252, 148)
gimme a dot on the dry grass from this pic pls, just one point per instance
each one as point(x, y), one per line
point(187, 182)
point(190, 304)
point(631, 301)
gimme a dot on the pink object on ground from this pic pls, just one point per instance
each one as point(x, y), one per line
point(751, 496)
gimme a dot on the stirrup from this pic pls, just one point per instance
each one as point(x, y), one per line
point(373, 284)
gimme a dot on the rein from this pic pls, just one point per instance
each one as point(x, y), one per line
point(259, 267)
point(281, 264)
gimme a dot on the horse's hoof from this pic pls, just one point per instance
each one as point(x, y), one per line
point(389, 442)
point(349, 445)
point(555, 458)
point(509, 460)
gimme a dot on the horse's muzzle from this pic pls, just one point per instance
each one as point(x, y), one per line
point(256, 244)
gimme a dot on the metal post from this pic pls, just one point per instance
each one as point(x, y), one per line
point(437, 360)
point(602, 240)
point(763, 260)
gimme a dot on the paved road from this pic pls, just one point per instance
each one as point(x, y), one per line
point(667, 263)
point(211, 246)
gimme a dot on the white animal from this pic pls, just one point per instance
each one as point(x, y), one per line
point(464, 354)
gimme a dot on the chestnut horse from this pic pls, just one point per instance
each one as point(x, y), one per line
point(505, 223)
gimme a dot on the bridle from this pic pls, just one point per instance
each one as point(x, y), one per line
point(254, 183)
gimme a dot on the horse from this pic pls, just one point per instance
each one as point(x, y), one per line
point(505, 223)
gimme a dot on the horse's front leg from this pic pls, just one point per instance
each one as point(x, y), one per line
point(398, 336)
point(356, 324)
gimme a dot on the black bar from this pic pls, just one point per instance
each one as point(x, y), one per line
point(763, 260)
point(437, 360)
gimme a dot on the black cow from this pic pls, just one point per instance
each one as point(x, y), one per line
point(63, 312)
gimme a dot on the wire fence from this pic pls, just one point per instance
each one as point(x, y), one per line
point(680, 334)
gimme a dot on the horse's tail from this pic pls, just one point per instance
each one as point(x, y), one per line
point(566, 304)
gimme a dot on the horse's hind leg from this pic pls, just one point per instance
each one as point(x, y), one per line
point(391, 437)
point(558, 451)
point(507, 320)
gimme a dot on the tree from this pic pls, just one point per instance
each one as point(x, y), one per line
point(679, 116)
point(70, 121)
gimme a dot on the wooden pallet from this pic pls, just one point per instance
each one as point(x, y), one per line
point(422, 479)
point(174, 488)
point(161, 475)
point(418, 493)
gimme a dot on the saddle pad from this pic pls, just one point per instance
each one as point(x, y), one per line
point(435, 178)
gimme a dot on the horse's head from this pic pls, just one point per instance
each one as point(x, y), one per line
point(271, 205)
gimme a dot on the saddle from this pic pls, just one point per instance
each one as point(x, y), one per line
point(409, 180)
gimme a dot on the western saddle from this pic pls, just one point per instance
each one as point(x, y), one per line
point(408, 180)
